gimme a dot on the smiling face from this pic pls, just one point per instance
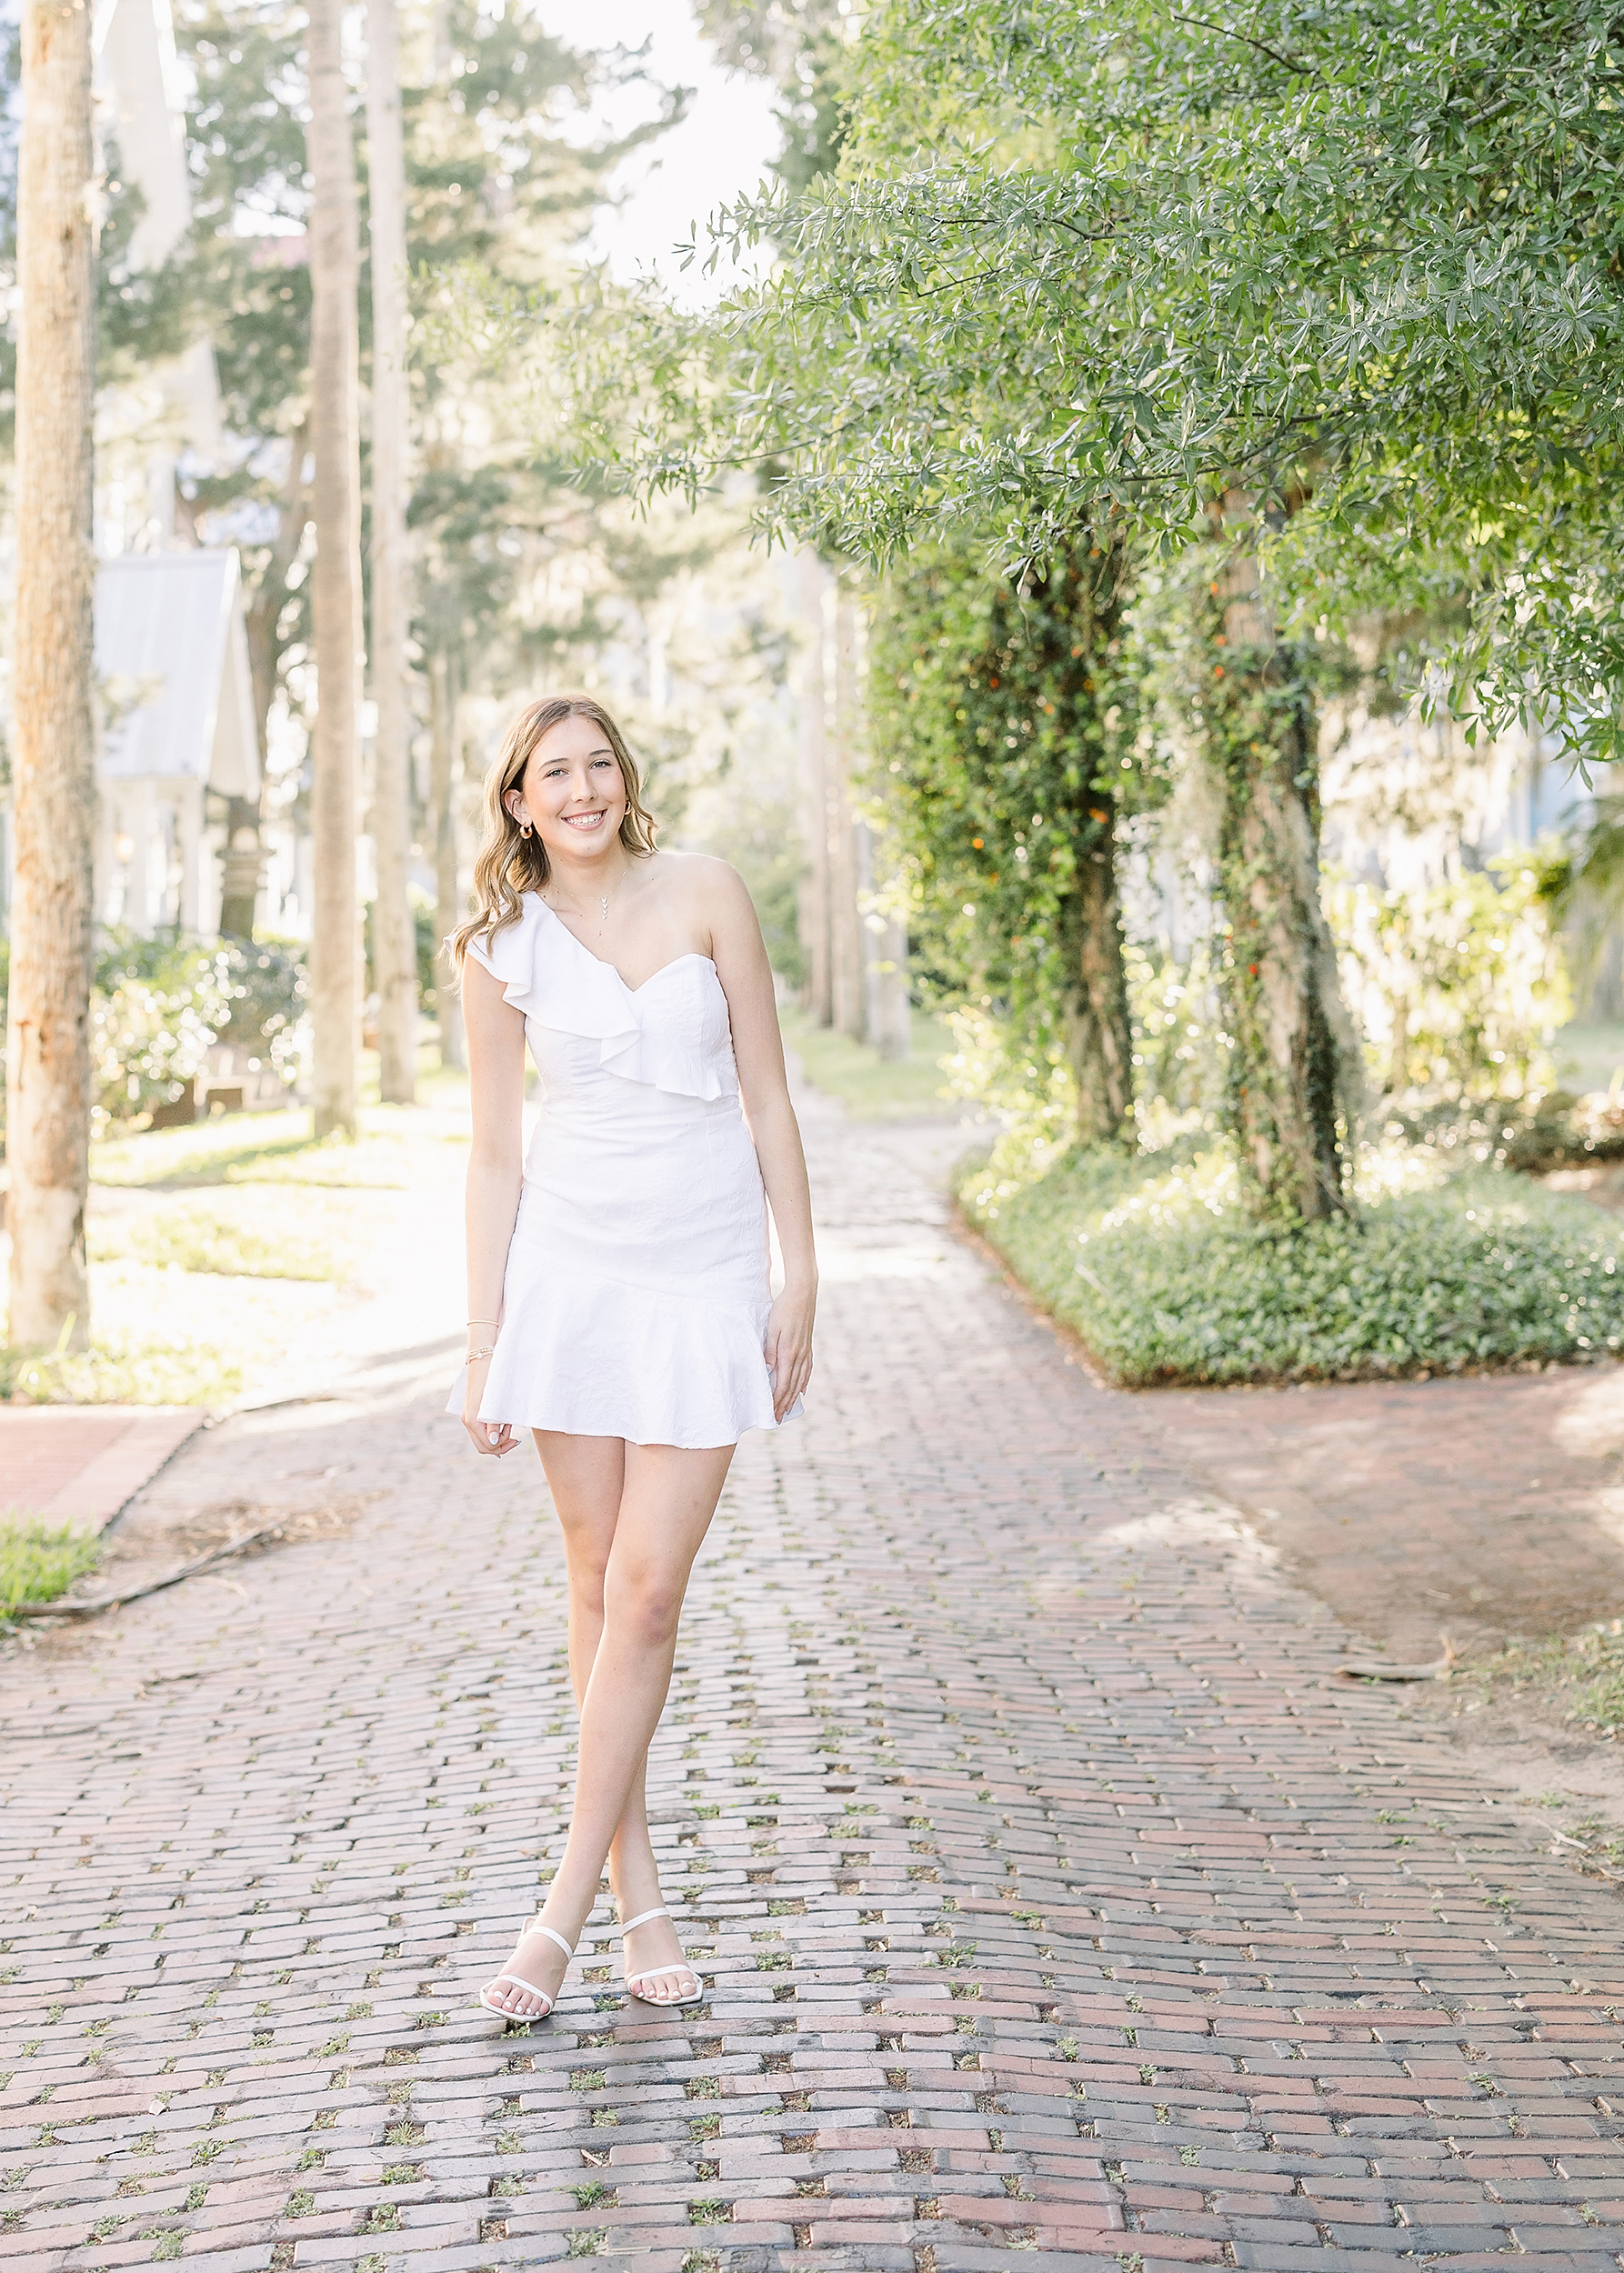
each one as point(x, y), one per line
point(572, 792)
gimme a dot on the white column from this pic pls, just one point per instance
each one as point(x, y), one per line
point(190, 803)
point(160, 502)
point(143, 827)
point(106, 861)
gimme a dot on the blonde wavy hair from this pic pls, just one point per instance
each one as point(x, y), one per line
point(508, 864)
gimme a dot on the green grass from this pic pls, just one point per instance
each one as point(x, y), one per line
point(870, 1087)
point(251, 1148)
point(241, 1234)
point(1568, 1677)
point(39, 1561)
point(1165, 1280)
point(201, 1154)
point(235, 1234)
point(129, 1372)
point(371, 1164)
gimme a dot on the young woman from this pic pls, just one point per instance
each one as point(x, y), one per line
point(618, 1276)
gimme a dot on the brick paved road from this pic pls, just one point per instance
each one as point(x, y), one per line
point(1053, 1897)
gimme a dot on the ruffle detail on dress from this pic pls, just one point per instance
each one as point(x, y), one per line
point(686, 1048)
point(573, 994)
point(597, 1358)
point(672, 1033)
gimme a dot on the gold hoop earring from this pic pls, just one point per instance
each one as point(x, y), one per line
point(525, 829)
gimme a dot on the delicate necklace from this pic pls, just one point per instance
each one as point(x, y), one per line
point(603, 905)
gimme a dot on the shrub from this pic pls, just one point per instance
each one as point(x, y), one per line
point(157, 1008)
point(1457, 988)
point(1165, 1279)
point(270, 988)
point(1180, 1065)
point(160, 1003)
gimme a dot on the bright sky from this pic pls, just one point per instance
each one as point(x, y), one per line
point(722, 148)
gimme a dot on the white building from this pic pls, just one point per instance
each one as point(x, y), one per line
point(177, 407)
point(178, 730)
point(175, 710)
point(178, 722)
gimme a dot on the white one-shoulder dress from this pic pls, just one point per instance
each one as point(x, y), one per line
point(636, 1297)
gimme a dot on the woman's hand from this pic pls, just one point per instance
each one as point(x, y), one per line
point(788, 1347)
point(488, 1436)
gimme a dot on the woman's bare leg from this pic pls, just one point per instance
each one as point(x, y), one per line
point(666, 1501)
point(587, 1478)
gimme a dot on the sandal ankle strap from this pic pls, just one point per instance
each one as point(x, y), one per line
point(535, 1927)
point(633, 1923)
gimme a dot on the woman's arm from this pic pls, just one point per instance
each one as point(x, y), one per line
point(739, 955)
point(495, 1033)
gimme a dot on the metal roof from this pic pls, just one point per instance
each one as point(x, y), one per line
point(172, 668)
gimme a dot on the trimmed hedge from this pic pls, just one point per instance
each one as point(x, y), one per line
point(1165, 1280)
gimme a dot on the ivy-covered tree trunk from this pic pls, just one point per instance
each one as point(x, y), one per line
point(1077, 627)
point(988, 718)
point(1098, 1034)
point(1290, 1061)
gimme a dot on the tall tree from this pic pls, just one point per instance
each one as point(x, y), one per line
point(1241, 704)
point(1359, 268)
point(394, 942)
point(47, 1045)
point(336, 579)
point(495, 178)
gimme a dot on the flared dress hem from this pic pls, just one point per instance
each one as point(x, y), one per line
point(587, 1357)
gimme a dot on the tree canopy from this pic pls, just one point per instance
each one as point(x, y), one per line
point(1360, 265)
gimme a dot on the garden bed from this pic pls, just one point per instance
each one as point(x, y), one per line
point(1165, 1279)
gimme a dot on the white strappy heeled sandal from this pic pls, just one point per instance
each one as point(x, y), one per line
point(529, 1987)
point(649, 1972)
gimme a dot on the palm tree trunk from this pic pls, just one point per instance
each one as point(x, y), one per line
point(336, 581)
point(48, 1043)
point(394, 942)
point(245, 864)
point(443, 689)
